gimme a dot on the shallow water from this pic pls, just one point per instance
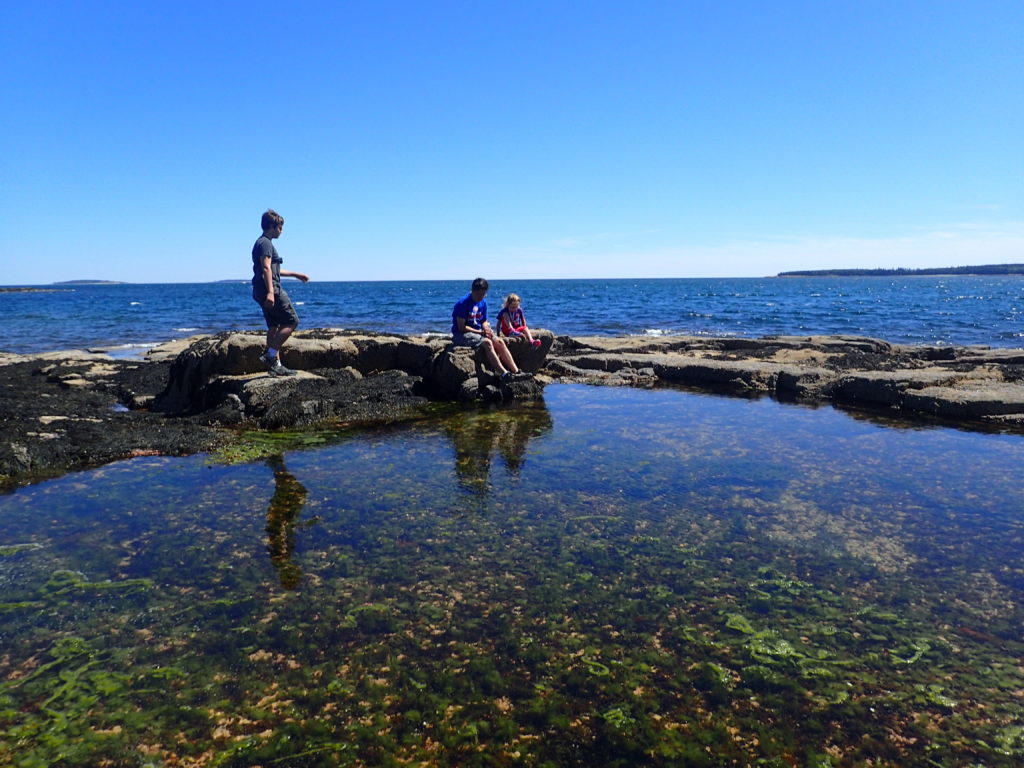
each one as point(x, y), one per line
point(609, 577)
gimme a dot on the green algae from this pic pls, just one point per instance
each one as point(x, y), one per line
point(595, 667)
point(918, 649)
point(68, 689)
point(9, 550)
point(23, 605)
point(1009, 740)
point(63, 582)
point(371, 619)
point(256, 445)
point(768, 647)
point(739, 623)
point(933, 693)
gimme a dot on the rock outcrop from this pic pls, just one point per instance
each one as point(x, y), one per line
point(960, 383)
point(214, 368)
point(72, 409)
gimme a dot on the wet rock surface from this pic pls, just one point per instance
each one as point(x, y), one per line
point(67, 410)
point(75, 413)
point(975, 385)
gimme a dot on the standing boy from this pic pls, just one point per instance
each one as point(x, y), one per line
point(471, 329)
point(266, 290)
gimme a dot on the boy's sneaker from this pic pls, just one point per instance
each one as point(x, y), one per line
point(522, 375)
point(506, 376)
point(274, 366)
point(276, 369)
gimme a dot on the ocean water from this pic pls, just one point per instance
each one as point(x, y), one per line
point(929, 310)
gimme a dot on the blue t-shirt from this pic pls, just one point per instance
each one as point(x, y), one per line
point(474, 312)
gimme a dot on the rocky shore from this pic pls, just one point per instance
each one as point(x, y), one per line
point(68, 410)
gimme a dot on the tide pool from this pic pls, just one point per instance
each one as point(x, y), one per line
point(607, 577)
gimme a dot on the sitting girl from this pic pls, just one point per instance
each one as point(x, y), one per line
point(512, 321)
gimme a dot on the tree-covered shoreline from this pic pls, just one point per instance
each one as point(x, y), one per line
point(984, 269)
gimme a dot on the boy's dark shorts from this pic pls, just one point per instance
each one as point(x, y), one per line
point(282, 313)
point(473, 340)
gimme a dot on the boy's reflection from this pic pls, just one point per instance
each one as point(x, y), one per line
point(285, 506)
point(507, 431)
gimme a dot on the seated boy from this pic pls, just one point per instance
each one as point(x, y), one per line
point(471, 329)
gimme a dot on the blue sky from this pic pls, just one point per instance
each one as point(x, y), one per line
point(423, 140)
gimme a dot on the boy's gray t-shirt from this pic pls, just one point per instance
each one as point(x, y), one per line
point(265, 247)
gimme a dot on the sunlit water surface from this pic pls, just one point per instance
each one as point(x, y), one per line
point(611, 577)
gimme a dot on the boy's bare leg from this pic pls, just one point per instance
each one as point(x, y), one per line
point(278, 335)
point(492, 355)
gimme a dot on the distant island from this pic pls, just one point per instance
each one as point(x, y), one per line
point(983, 269)
point(90, 282)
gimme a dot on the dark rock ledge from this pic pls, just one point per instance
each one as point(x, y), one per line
point(67, 410)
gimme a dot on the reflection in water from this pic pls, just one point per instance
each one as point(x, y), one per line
point(502, 430)
point(285, 506)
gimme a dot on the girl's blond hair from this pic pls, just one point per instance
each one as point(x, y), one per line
point(512, 298)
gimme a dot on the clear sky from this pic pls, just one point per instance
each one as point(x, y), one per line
point(439, 139)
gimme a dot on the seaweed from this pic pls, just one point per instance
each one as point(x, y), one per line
point(9, 550)
point(253, 445)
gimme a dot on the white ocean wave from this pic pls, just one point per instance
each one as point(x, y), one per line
point(715, 334)
point(129, 351)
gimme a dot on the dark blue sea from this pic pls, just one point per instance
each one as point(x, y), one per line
point(928, 310)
